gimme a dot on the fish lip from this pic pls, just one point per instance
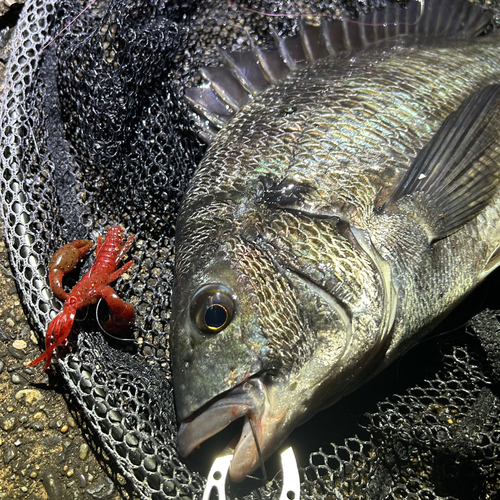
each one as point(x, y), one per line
point(248, 399)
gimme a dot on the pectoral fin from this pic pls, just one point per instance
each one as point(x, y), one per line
point(455, 176)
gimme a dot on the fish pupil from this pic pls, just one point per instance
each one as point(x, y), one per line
point(216, 316)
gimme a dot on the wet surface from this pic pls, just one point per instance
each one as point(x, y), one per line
point(45, 452)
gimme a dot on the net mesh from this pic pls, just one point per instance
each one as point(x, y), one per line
point(95, 133)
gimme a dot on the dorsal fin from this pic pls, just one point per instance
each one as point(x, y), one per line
point(248, 73)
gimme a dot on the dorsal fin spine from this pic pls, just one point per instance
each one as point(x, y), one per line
point(228, 60)
point(284, 45)
point(312, 42)
point(345, 34)
point(278, 41)
point(362, 34)
point(326, 39)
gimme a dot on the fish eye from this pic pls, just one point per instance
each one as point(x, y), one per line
point(212, 308)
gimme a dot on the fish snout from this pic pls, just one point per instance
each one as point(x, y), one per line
point(263, 427)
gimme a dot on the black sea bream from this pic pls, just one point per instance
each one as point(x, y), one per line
point(349, 202)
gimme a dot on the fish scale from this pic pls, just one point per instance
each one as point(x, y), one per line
point(336, 217)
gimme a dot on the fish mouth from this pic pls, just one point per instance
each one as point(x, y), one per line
point(248, 400)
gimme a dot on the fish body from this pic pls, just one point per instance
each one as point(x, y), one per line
point(333, 221)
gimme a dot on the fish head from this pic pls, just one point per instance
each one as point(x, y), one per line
point(251, 339)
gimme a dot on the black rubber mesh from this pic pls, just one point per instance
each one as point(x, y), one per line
point(94, 133)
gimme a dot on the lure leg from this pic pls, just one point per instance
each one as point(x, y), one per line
point(122, 313)
point(116, 274)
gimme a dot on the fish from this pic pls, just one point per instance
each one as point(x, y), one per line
point(348, 200)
